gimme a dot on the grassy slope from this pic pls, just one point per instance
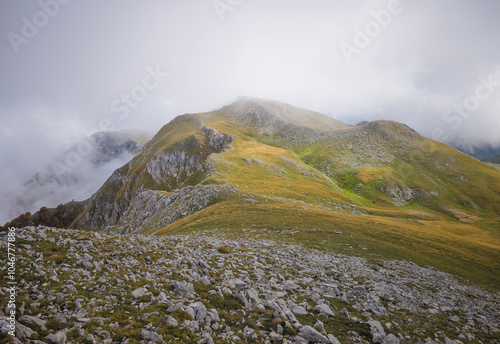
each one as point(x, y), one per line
point(296, 196)
point(304, 176)
point(465, 250)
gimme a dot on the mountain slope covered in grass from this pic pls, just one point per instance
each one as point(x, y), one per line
point(379, 190)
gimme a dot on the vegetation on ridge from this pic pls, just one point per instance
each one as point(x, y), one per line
point(378, 190)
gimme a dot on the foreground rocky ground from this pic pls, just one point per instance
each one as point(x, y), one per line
point(88, 287)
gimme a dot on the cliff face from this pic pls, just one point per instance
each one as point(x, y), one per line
point(173, 160)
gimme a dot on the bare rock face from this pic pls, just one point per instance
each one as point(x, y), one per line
point(102, 207)
point(172, 167)
point(216, 140)
point(155, 209)
point(175, 165)
point(133, 195)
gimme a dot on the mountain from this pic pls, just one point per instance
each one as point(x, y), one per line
point(378, 190)
point(494, 159)
point(485, 153)
point(76, 174)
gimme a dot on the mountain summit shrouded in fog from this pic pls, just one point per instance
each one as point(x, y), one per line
point(154, 61)
point(266, 164)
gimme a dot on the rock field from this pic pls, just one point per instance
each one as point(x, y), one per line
point(91, 287)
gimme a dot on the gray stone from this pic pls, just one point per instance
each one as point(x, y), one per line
point(23, 331)
point(183, 288)
point(253, 295)
point(290, 285)
point(138, 293)
point(310, 334)
point(33, 320)
point(58, 338)
point(333, 339)
point(315, 297)
point(194, 325)
point(323, 309)
point(171, 321)
point(162, 297)
point(298, 310)
point(4, 326)
point(205, 280)
point(390, 339)
point(275, 336)
point(300, 340)
point(378, 333)
point(319, 327)
point(151, 336)
point(206, 339)
point(200, 311)
point(241, 296)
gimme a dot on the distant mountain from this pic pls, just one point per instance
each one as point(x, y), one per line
point(378, 190)
point(76, 174)
point(494, 159)
point(484, 153)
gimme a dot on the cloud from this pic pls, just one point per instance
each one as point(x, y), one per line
point(63, 81)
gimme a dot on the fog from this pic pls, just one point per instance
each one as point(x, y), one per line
point(71, 68)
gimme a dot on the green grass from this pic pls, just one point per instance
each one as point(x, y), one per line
point(297, 177)
point(461, 249)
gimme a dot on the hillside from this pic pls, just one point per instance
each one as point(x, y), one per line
point(379, 190)
point(91, 287)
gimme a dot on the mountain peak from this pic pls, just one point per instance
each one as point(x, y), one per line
point(266, 110)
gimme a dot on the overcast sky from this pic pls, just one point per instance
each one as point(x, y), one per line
point(67, 67)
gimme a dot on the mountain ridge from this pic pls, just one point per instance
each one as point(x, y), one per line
point(391, 192)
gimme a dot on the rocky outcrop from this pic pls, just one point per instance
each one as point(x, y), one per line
point(175, 166)
point(402, 194)
point(216, 140)
point(152, 210)
point(134, 196)
point(120, 288)
point(103, 208)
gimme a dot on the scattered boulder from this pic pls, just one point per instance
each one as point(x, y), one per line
point(323, 309)
point(183, 288)
point(310, 334)
point(151, 336)
point(58, 338)
point(138, 293)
